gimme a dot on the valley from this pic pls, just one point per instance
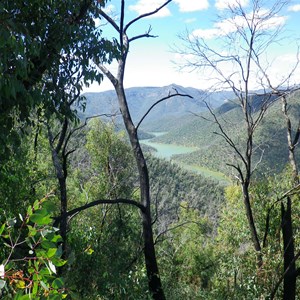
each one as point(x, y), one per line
point(169, 152)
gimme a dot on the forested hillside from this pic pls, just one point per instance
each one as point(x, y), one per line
point(87, 211)
point(202, 132)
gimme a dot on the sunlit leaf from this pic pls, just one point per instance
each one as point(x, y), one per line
point(2, 283)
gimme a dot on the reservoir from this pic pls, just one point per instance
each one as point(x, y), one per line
point(165, 151)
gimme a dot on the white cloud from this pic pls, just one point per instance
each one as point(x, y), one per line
point(228, 26)
point(188, 21)
point(192, 5)
point(223, 4)
point(294, 8)
point(282, 67)
point(146, 6)
point(205, 33)
point(109, 9)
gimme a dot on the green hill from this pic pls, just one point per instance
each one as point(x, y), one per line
point(270, 142)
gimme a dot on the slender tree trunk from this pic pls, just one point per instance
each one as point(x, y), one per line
point(253, 231)
point(289, 281)
point(61, 177)
point(291, 143)
point(154, 282)
point(246, 193)
point(63, 214)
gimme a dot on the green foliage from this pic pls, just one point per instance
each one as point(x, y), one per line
point(112, 163)
point(32, 255)
point(188, 262)
point(46, 47)
point(105, 240)
point(105, 247)
point(171, 184)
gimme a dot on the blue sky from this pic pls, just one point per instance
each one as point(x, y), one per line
point(151, 60)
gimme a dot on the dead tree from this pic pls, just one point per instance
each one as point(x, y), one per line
point(241, 47)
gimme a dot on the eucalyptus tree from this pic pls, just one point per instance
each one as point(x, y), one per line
point(236, 62)
point(124, 40)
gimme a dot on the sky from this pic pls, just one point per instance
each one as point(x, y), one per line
point(154, 61)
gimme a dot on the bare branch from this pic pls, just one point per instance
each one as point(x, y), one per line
point(76, 210)
point(145, 35)
point(108, 74)
point(93, 117)
point(159, 101)
point(172, 228)
point(109, 20)
point(146, 15)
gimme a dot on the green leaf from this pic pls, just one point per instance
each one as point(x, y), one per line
point(56, 238)
point(2, 283)
point(29, 211)
point(58, 283)
point(58, 262)
point(44, 286)
point(20, 296)
point(40, 218)
point(49, 206)
point(47, 244)
point(36, 204)
point(51, 252)
point(31, 230)
point(20, 284)
point(2, 228)
point(35, 289)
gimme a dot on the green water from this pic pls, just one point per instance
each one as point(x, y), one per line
point(166, 151)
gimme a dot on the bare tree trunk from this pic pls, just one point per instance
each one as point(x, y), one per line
point(289, 281)
point(245, 187)
point(291, 142)
point(154, 281)
point(253, 231)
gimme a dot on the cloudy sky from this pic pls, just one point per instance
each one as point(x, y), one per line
point(152, 62)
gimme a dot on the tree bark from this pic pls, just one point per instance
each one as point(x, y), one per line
point(291, 143)
point(61, 176)
point(253, 231)
point(289, 281)
point(154, 282)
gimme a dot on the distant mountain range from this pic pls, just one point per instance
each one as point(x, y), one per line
point(140, 100)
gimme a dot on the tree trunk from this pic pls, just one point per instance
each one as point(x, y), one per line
point(253, 231)
point(63, 214)
point(154, 282)
point(61, 176)
point(289, 281)
point(291, 143)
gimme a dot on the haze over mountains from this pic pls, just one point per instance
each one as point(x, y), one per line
point(140, 100)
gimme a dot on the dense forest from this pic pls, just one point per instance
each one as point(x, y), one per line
point(89, 212)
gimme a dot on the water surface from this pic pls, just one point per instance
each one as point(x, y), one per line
point(167, 150)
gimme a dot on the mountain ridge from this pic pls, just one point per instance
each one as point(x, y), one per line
point(140, 99)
